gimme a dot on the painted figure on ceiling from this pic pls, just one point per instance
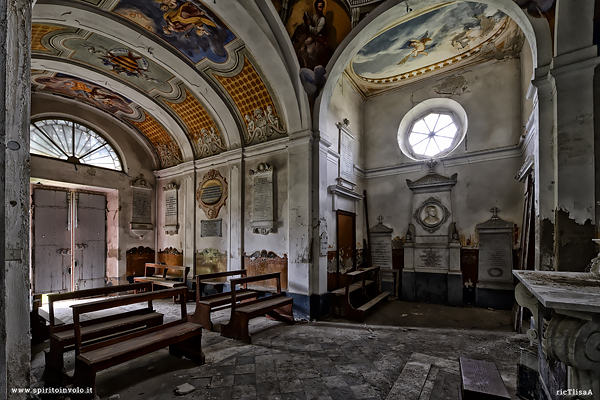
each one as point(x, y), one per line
point(186, 18)
point(190, 26)
point(309, 38)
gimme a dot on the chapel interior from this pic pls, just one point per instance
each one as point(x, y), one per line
point(438, 157)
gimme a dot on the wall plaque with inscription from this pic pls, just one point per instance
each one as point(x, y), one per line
point(141, 207)
point(381, 245)
point(212, 193)
point(212, 228)
point(346, 156)
point(171, 208)
point(495, 250)
point(263, 220)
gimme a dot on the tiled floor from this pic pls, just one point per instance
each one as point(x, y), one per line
point(324, 360)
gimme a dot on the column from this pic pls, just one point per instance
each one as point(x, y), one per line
point(300, 232)
point(15, 98)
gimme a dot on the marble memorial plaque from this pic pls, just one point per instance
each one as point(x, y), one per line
point(211, 228)
point(263, 215)
point(171, 209)
point(381, 251)
point(141, 206)
point(263, 198)
point(431, 258)
point(495, 256)
point(346, 156)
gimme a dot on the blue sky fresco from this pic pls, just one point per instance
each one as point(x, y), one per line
point(427, 39)
point(189, 26)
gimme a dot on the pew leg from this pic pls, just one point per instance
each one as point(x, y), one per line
point(190, 348)
point(202, 316)
point(54, 370)
point(237, 328)
point(84, 381)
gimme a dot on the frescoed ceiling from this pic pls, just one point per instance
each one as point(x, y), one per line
point(435, 41)
point(173, 70)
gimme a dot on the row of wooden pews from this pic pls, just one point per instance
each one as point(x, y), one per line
point(112, 330)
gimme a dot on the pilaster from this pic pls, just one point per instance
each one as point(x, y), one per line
point(15, 100)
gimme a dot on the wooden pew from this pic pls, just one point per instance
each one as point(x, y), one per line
point(62, 336)
point(219, 301)
point(158, 275)
point(365, 292)
point(480, 380)
point(183, 338)
point(276, 306)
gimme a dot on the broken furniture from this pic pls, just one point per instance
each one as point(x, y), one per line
point(182, 337)
point(480, 380)
point(361, 294)
point(219, 301)
point(276, 306)
point(170, 276)
point(565, 307)
point(62, 336)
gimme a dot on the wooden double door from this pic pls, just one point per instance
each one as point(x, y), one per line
point(69, 240)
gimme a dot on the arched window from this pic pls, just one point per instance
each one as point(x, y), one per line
point(432, 129)
point(72, 142)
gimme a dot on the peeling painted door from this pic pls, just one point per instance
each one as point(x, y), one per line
point(89, 243)
point(69, 240)
point(51, 241)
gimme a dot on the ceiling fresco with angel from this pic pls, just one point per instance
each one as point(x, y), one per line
point(189, 26)
point(85, 91)
point(427, 39)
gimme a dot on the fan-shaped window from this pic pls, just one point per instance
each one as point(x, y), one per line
point(72, 142)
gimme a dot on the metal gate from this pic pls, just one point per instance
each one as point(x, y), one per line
point(69, 240)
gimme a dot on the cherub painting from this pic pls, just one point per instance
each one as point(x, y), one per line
point(189, 26)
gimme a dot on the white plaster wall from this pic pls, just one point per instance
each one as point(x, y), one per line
point(345, 103)
point(277, 241)
point(489, 93)
point(136, 158)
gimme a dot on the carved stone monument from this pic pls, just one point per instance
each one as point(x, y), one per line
point(171, 208)
point(141, 207)
point(432, 250)
point(211, 194)
point(263, 220)
point(381, 255)
point(494, 273)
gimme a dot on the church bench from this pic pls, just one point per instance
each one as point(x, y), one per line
point(480, 380)
point(162, 275)
point(62, 336)
point(276, 306)
point(214, 302)
point(183, 338)
point(370, 295)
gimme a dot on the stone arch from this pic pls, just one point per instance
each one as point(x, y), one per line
point(389, 12)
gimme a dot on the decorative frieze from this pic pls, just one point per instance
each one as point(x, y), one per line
point(261, 126)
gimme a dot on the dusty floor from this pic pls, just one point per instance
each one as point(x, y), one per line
point(405, 351)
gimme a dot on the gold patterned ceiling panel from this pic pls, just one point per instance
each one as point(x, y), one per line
point(168, 151)
point(205, 136)
point(38, 31)
point(254, 102)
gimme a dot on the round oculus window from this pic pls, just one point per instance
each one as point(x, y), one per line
point(432, 129)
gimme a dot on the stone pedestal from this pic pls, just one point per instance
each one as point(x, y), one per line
point(432, 250)
point(495, 287)
point(566, 311)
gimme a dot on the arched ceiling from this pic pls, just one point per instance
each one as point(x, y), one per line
point(173, 70)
